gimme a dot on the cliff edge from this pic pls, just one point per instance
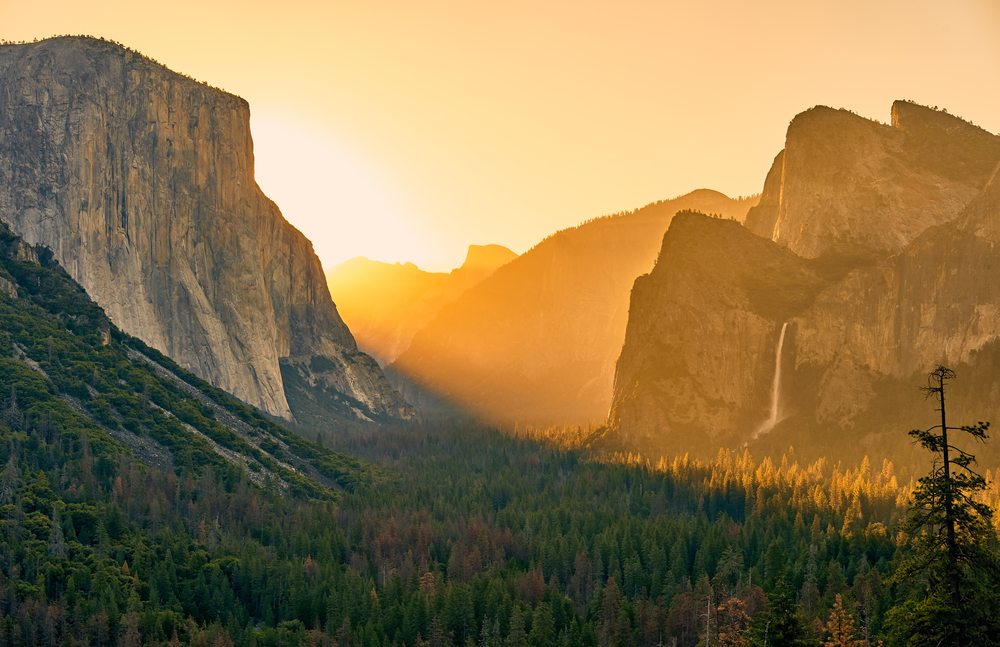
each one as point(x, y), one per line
point(873, 263)
point(141, 181)
point(844, 183)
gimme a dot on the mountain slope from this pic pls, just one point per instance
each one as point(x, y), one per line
point(385, 304)
point(863, 333)
point(69, 371)
point(141, 182)
point(695, 369)
point(537, 340)
point(848, 183)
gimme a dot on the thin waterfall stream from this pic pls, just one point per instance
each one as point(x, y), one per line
point(768, 424)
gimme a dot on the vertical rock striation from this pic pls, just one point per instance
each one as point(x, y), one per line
point(845, 184)
point(876, 252)
point(698, 362)
point(937, 301)
point(141, 181)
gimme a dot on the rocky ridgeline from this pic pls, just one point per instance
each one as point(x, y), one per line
point(537, 341)
point(848, 184)
point(141, 181)
point(875, 245)
point(385, 304)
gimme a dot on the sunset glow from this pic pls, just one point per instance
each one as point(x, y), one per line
point(342, 206)
point(499, 323)
point(450, 123)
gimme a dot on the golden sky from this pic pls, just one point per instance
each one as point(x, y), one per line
point(404, 130)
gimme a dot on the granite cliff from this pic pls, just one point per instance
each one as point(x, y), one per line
point(848, 184)
point(141, 181)
point(861, 289)
point(537, 340)
point(385, 304)
point(699, 354)
point(937, 301)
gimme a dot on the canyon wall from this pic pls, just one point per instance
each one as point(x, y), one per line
point(141, 181)
point(846, 184)
point(696, 367)
point(875, 249)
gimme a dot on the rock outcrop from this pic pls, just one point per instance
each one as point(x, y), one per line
point(537, 341)
point(876, 293)
point(845, 184)
point(696, 367)
point(141, 181)
point(936, 302)
point(385, 304)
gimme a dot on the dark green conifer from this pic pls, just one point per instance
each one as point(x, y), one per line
point(952, 543)
point(779, 625)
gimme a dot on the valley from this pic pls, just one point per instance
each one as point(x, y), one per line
point(682, 424)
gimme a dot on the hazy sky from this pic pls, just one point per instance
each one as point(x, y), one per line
point(407, 130)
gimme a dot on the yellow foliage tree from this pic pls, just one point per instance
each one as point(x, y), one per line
point(841, 628)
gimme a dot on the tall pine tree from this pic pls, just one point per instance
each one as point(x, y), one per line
point(952, 543)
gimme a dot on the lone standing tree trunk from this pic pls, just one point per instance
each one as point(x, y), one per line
point(939, 376)
point(952, 542)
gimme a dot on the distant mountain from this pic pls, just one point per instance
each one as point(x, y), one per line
point(867, 280)
point(384, 304)
point(141, 181)
point(537, 341)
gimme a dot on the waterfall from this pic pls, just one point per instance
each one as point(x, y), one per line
point(775, 387)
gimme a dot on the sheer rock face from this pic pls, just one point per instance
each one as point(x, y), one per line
point(845, 183)
point(934, 299)
point(699, 352)
point(936, 302)
point(537, 341)
point(142, 183)
point(698, 364)
point(896, 268)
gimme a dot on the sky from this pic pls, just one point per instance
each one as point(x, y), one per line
point(405, 131)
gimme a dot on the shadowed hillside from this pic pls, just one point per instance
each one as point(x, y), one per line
point(71, 377)
point(537, 341)
point(889, 269)
point(384, 304)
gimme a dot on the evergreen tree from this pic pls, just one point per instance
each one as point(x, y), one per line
point(516, 637)
point(780, 625)
point(951, 536)
point(608, 621)
point(57, 542)
point(543, 629)
point(10, 478)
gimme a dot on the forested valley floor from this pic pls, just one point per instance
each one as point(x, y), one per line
point(141, 506)
point(476, 538)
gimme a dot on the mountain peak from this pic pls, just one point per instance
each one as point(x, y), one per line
point(487, 257)
point(180, 247)
point(844, 181)
point(912, 118)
